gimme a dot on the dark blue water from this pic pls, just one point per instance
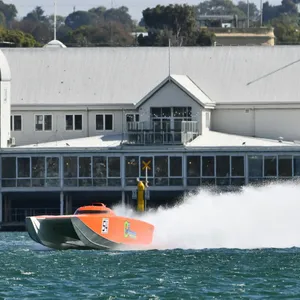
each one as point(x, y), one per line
point(27, 271)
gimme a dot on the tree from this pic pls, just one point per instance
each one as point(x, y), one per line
point(9, 11)
point(39, 30)
point(37, 15)
point(106, 34)
point(81, 18)
point(18, 38)
point(253, 11)
point(178, 20)
point(219, 7)
point(286, 29)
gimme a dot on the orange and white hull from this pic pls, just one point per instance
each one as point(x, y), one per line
point(86, 231)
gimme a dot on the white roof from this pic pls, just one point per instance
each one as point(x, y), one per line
point(210, 139)
point(104, 141)
point(185, 84)
point(124, 75)
point(218, 139)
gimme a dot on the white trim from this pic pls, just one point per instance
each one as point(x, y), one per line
point(104, 120)
point(43, 122)
point(172, 78)
point(12, 122)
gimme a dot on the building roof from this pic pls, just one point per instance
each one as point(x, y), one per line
point(4, 68)
point(186, 85)
point(105, 141)
point(210, 139)
point(101, 75)
point(218, 139)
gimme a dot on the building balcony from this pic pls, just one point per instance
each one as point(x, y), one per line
point(161, 132)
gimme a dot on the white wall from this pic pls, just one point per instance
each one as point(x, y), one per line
point(5, 112)
point(28, 134)
point(265, 123)
point(168, 96)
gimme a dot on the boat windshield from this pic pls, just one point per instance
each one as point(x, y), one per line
point(81, 212)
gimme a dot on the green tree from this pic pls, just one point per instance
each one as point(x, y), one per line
point(106, 34)
point(9, 11)
point(37, 15)
point(178, 20)
point(286, 29)
point(81, 18)
point(253, 11)
point(18, 38)
point(219, 7)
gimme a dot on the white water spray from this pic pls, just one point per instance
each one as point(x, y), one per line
point(265, 217)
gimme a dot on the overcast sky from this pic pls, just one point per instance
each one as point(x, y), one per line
point(64, 7)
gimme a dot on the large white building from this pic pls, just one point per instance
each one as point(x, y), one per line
point(84, 120)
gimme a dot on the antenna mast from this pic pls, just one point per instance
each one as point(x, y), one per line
point(169, 58)
point(54, 23)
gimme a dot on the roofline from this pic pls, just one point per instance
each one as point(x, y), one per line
point(164, 82)
point(75, 106)
point(130, 150)
point(258, 104)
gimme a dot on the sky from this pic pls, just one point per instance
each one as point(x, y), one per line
point(65, 7)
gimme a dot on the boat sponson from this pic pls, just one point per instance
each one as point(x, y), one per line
point(90, 238)
point(45, 232)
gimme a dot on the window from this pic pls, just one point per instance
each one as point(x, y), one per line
point(132, 118)
point(43, 122)
point(104, 122)
point(15, 123)
point(73, 122)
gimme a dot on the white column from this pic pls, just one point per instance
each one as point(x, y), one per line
point(61, 203)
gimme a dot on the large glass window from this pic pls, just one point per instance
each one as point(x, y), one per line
point(23, 167)
point(52, 167)
point(85, 168)
point(296, 165)
point(99, 171)
point(270, 166)
point(8, 171)
point(85, 171)
point(38, 171)
point(70, 171)
point(255, 166)
point(52, 171)
point(38, 167)
point(223, 166)
point(208, 166)
point(285, 166)
point(161, 170)
point(175, 170)
point(146, 161)
point(237, 166)
point(131, 170)
point(114, 170)
point(193, 166)
point(175, 166)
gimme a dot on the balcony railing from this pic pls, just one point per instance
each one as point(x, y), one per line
point(146, 133)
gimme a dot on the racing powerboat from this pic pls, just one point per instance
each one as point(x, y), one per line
point(90, 227)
